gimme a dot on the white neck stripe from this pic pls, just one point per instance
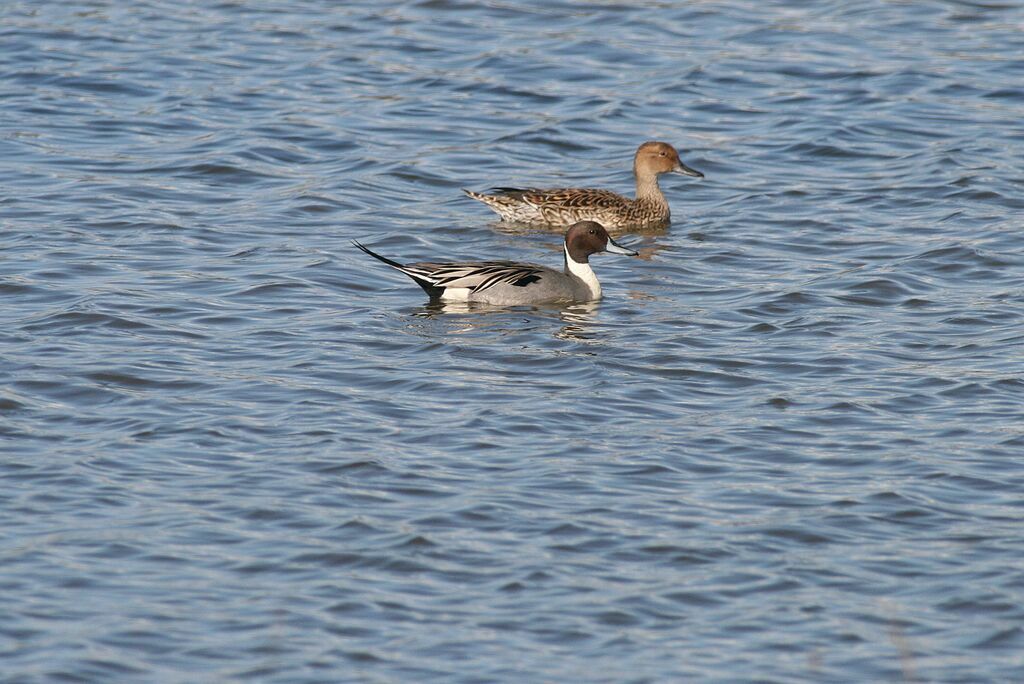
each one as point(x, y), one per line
point(584, 273)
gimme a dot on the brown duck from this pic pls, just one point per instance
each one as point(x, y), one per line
point(565, 206)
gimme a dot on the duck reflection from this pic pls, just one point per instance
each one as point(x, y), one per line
point(580, 322)
point(519, 228)
point(645, 251)
point(579, 318)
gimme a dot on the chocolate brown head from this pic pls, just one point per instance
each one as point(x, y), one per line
point(589, 237)
point(653, 158)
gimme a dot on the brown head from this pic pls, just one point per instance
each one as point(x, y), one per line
point(589, 237)
point(653, 158)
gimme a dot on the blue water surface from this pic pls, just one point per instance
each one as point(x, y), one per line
point(787, 446)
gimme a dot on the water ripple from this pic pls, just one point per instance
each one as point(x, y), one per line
point(782, 448)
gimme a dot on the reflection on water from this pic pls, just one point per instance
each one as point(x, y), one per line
point(517, 228)
point(580, 322)
point(441, 307)
point(579, 317)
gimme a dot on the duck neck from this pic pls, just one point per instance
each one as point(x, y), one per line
point(581, 271)
point(647, 189)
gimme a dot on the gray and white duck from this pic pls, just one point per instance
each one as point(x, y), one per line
point(510, 283)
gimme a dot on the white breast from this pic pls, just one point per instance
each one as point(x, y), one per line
point(584, 273)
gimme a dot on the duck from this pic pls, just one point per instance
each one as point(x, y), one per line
point(510, 283)
point(565, 206)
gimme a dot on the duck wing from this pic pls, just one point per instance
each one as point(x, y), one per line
point(567, 197)
point(475, 276)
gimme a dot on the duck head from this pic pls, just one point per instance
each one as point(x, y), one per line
point(589, 237)
point(660, 157)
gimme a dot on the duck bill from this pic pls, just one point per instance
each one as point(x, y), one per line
point(615, 248)
point(687, 171)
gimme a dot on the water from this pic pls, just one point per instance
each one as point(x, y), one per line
point(786, 446)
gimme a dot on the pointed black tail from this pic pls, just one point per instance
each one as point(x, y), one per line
point(433, 290)
point(389, 262)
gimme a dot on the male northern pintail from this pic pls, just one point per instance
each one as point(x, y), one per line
point(507, 283)
point(562, 207)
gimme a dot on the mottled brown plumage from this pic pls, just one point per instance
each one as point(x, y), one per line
point(565, 206)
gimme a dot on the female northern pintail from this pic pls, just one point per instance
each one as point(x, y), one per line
point(562, 207)
point(507, 283)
